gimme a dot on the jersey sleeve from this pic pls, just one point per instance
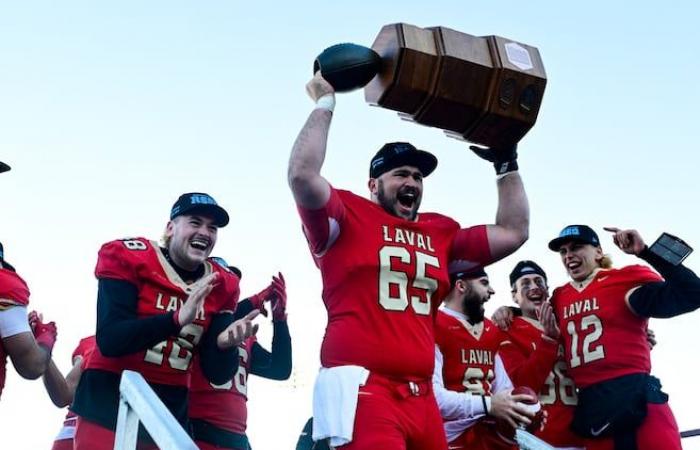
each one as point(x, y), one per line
point(84, 348)
point(454, 405)
point(322, 226)
point(501, 380)
point(13, 290)
point(117, 259)
point(530, 369)
point(470, 248)
point(637, 275)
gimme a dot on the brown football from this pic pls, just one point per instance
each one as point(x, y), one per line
point(507, 432)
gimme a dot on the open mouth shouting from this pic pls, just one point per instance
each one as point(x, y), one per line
point(407, 200)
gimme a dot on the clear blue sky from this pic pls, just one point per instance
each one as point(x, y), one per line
point(110, 110)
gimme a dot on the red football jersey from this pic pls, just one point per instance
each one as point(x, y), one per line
point(223, 406)
point(383, 278)
point(468, 352)
point(84, 349)
point(533, 361)
point(603, 339)
point(142, 263)
point(13, 292)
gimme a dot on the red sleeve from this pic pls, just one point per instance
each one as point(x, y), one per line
point(470, 247)
point(638, 274)
point(84, 348)
point(530, 369)
point(322, 226)
point(116, 259)
point(13, 290)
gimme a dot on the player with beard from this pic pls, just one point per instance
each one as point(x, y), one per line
point(156, 306)
point(471, 385)
point(603, 314)
point(384, 268)
point(533, 356)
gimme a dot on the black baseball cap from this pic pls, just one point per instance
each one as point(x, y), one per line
point(526, 268)
point(397, 154)
point(4, 167)
point(579, 233)
point(200, 203)
point(5, 264)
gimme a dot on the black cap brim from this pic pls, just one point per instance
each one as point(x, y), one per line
point(425, 162)
point(4, 167)
point(556, 243)
point(216, 212)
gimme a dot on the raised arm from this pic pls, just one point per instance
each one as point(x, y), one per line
point(677, 294)
point(310, 189)
point(511, 229)
point(512, 225)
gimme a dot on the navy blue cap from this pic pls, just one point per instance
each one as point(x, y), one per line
point(578, 233)
point(397, 154)
point(201, 204)
point(526, 268)
point(4, 167)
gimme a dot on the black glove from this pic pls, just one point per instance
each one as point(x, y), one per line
point(504, 159)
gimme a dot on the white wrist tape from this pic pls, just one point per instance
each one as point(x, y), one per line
point(503, 175)
point(326, 102)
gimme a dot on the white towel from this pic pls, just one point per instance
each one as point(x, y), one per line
point(335, 402)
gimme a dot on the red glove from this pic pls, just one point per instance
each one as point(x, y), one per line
point(258, 300)
point(279, 304)
point(34, 318)
point(45, 334)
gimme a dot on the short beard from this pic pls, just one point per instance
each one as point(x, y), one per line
point(472, 306)
point(388, 205)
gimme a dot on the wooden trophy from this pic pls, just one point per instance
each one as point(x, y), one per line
point(486, 90)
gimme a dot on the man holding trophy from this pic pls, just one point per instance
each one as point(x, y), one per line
point(385, 270)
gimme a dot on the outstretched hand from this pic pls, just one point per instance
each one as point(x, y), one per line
point(629, 241)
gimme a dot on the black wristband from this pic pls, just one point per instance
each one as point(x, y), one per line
point(503, 167)
point(483, 402)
